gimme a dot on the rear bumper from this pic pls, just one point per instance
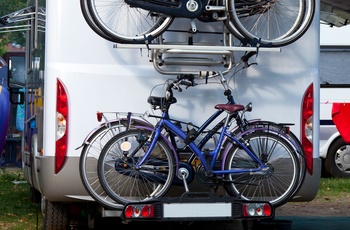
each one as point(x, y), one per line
point(308, 190)
point(66, 186)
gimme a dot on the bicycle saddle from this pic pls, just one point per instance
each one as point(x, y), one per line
point(230, 107)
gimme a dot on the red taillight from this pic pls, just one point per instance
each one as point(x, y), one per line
point(139, 211)
point(147, 211)
point(128, 212)
point(267, 210)
point(245, 210)
point(306, 114)
point(62, 126)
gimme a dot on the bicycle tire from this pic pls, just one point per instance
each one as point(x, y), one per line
point(119, 177)
point(229, 25)
point(232, 29)
point(86, 14)
point(289, 136)
point(89, 159)
point(278, 24)
point(276, 185)
point(125, 24)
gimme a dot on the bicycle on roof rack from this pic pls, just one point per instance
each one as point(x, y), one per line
point(271, 23)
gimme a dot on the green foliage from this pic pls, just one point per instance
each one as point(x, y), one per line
point(3, 41)
point(16, 210)
point(333, 187)
point(7, 176)
point(7, 7)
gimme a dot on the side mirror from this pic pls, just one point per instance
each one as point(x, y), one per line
point(16, 72)
point(16, 96)
point(16, 77)
point(3, 73)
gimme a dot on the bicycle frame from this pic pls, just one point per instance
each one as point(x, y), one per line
point(199, 131)
point(172, 128)
point(181, 8)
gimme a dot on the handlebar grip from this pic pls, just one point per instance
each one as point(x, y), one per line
point(246, 57)
point(206, 73)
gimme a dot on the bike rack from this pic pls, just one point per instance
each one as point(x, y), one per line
point(194, 58)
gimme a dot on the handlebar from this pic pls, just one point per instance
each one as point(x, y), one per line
point(183, 79)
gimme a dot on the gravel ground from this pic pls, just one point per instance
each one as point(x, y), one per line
point(320, 206)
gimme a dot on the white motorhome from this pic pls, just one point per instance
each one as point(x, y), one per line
point(72, 71)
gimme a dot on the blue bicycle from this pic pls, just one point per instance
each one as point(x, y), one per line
point(256, 163)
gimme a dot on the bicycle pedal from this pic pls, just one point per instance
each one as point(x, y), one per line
point(209, 174)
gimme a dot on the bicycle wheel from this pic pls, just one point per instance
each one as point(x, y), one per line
point(277, 184)
point(89, 158)
point(86, 14)
point(283, 132)
point(272, 23)
point(125, 24)
point(118, 174)
point(232, 29)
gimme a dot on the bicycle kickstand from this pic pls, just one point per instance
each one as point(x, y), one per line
point(183, 174)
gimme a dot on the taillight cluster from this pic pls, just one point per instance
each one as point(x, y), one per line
point(139, 211)
point(61, 126)
point(147, 211)
point(256, 210)
point(306, 127)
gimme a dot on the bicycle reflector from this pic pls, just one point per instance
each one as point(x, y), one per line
point(142, 211)
point(99, 116)
point(256, 210)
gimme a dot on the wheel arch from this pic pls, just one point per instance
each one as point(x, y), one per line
point(324, 150)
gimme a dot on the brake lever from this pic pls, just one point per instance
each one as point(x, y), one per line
point(246, 64)
point(245, 59)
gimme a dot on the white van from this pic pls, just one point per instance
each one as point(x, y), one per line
point(334, 148)
point(334, 88)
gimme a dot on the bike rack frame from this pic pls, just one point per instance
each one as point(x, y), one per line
point(193, 58)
